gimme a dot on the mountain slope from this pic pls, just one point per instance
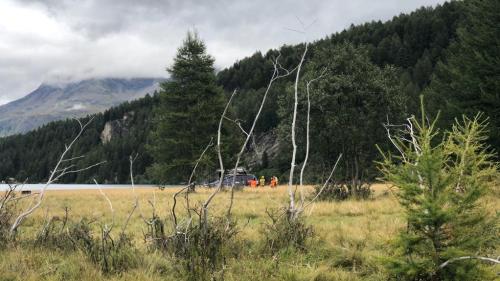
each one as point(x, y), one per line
point(31, 155)
point(55, 102)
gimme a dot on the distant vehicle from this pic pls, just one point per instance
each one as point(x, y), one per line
point(241, 180)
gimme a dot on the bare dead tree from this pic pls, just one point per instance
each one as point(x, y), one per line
point(188, 186)
point(10, 194)
point(304, 164)
point(59, 171)
point(294, 210)
point(221, 163)
point(278, 73)
point(291, 193)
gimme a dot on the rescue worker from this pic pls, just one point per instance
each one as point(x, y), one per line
point(253, 183)
point(273, 182)
point(262, 181)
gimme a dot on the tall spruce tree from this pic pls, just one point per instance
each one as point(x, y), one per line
point(439, 184)
point(468, 80)
point(188, 114)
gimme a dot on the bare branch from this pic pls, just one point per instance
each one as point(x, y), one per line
point(238, 123)
point(74, 158)
point(186, 188)
point(9, 195)
point(275, 76)
point(219, 154)
point(54, 175)
point(492, 260)
point(65, 171)
point(400, 142)
point(325, 184)
point(106, 227)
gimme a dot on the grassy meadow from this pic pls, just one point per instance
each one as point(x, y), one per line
point(351, 237)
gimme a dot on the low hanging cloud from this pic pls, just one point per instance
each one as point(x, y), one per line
point(50, 41)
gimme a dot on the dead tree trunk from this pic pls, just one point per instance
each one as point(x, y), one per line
point(278, 73)
point(291, 193)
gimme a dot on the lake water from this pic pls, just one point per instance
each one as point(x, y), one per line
point(4, 187)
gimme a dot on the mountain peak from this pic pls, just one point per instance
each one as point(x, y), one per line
point(59, 100)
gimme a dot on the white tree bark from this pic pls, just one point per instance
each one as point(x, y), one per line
point(304, 164)
point(278, 73)
point(219, 154)
point(492, 260)
point(291, 193)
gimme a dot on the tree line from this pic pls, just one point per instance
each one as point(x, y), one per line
point(374, 73)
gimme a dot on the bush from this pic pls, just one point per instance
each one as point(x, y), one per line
point(111, 256)
point(53, 234)
point(284, 232)
point(339, 191)
point(6, 213)
point(201, 248)
point(8, 209)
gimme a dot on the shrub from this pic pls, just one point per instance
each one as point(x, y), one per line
point(6, 213)
point(8, 209)
point(339, 191)
point(202, 248)
point(111, 256)
point(285, 232)
point(155, 236)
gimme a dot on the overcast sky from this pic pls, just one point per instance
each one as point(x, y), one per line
point(61, 40)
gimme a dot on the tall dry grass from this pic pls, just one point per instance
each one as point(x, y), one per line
point(351, 236)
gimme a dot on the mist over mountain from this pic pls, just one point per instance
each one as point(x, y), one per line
point(50, 102)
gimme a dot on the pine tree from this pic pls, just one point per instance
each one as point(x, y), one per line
point(469, 79)
point(188, 114)
point(439, 185)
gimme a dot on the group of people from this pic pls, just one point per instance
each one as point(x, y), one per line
point(262, 182)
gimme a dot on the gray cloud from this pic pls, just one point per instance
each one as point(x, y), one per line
point(53, 40)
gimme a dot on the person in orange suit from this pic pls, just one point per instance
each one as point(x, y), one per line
point(273, 182)
point(253, 183)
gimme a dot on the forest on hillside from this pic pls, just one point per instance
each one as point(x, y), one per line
point(375, 72)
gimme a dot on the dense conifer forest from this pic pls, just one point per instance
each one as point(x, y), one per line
point(375, 71)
